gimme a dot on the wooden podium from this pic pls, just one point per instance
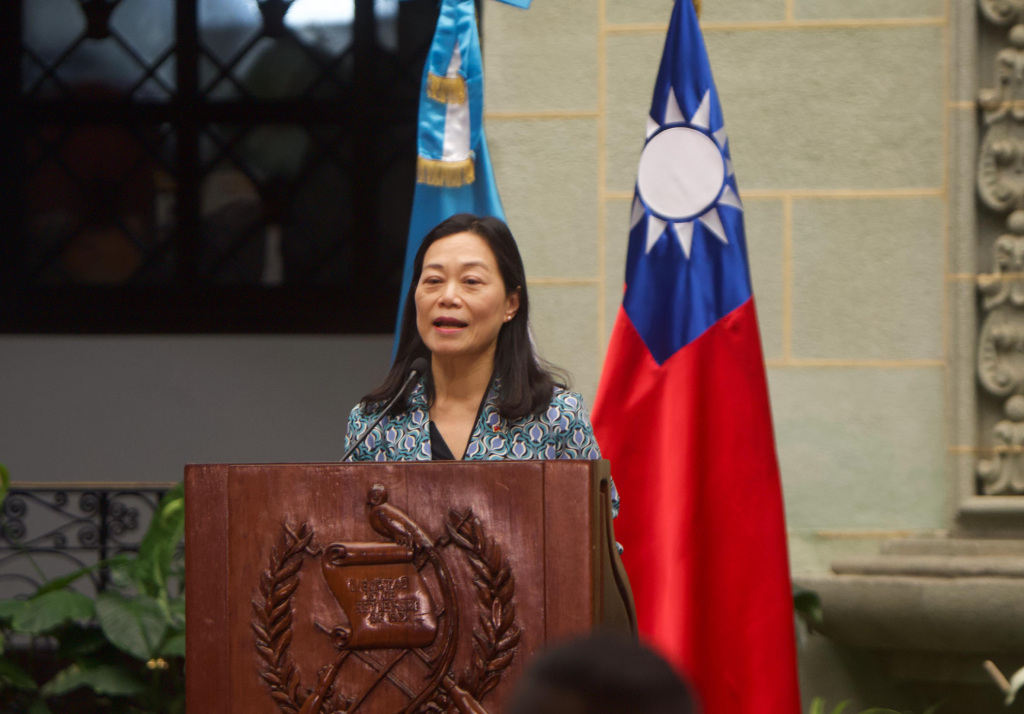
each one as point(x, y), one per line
point(390, 588)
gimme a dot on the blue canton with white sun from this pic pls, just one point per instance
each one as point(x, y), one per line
point(687, 266)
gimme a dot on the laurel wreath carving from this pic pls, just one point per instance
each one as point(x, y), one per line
point(273, 616)
point(495, 641)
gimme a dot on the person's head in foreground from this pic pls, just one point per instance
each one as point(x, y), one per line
point(467, 312)
point(601, 673)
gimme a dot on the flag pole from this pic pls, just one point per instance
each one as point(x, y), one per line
point(453, 167)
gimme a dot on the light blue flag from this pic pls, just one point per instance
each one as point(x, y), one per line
point(453, 168)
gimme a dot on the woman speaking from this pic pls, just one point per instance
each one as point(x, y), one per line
point(484, 393)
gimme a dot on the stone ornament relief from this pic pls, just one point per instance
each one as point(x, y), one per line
point(398, 616)
point(1003, 12)
point(1001, 188)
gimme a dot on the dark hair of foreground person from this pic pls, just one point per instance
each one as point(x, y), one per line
point(601, 673)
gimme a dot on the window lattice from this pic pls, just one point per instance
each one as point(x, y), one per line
point(208, 165)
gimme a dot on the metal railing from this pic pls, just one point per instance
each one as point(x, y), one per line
point(51, 530)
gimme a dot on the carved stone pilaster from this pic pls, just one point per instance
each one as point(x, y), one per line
point(1000, 179)
point(1001, 342)
point(1004, 473)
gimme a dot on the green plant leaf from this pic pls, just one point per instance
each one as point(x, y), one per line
point(176, 612)
point(134, 625)
point(159, 545)
point(77, 641)
point(9, 609)
point(39, 707)
point(5, 482)
point(176, 705)
point(876, 710)
point(122, 570)
point(174, 646)
point(65, 580)
point(106, 679)
point(932, 709)
point(807, 603)
point(115, 564)
point(14, 676)
point(818, 704)
point(45, 612)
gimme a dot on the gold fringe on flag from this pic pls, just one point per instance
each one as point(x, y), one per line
point(447, 90)
point(435, 172)
point(696, 6)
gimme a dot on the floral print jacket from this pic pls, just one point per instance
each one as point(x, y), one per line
point(562, 431)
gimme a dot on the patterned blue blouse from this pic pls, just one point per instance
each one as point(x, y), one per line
point(562, 431)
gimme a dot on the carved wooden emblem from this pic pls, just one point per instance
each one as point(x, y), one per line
point(397, 626)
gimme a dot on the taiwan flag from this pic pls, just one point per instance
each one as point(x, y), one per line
point(682, 410)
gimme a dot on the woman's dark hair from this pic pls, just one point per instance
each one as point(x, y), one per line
point(527, 383)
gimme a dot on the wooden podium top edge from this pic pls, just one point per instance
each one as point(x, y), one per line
point(380, 463)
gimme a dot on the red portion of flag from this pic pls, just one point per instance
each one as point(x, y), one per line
point(693, 455)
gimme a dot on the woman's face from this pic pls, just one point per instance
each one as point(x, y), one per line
point(461, 301)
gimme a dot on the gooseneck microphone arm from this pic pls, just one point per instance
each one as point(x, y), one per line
point(418, 367)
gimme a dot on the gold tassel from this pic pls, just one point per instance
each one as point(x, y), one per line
point(696, 6)
point(435, 172)
point(447, 90)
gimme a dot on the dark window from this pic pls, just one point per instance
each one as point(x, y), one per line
point(207, 165)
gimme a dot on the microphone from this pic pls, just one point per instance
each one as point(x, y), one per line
point(418, 367)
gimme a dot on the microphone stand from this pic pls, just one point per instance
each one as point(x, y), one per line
point(418, 366)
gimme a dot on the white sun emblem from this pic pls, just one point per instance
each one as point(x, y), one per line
point(682, 175)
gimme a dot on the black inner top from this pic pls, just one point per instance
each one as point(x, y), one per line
point(439, 450)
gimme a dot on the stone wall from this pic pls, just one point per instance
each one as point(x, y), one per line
point(837, 117)
point(851, 125)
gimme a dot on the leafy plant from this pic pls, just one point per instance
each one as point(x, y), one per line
point(807, 614)
point(122, 652)
point(807, 609)
point(5, 482)
point(818, 707)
